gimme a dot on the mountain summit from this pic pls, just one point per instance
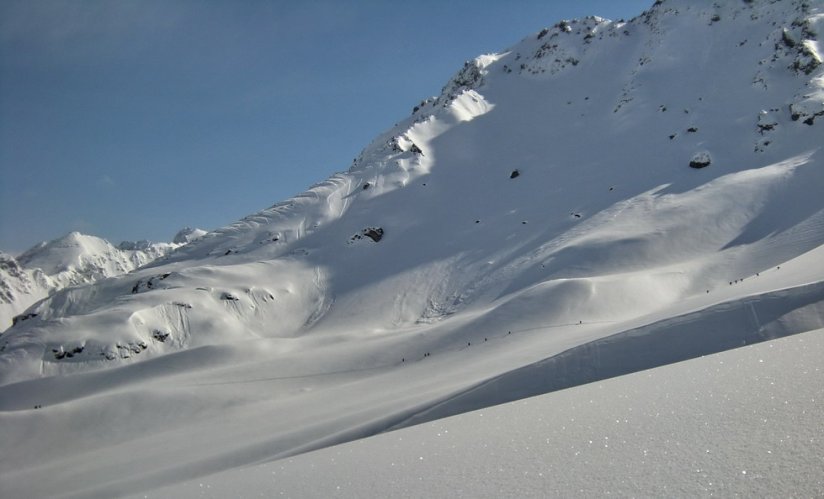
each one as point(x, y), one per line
point(599, 198)
point(71, 260)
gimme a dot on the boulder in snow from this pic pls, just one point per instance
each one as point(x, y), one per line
point(700, 160)
point(373, 233)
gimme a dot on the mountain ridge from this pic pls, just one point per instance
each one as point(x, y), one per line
point(72, 260)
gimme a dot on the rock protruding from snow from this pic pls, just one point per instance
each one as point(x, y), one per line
point(808, 108)
point(373, 233)
point(701, 159)
point(767, 121)
point(562, 46)
point(469, 77)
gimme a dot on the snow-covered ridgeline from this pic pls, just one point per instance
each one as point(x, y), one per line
point(622, 204)
point(72, 260)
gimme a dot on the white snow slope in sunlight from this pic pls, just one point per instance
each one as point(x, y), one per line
point(601, 198)
point(745, 422)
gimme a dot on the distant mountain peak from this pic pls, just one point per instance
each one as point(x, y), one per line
point(187, 235)
point(69, 260)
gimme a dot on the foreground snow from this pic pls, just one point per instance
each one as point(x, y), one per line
point(745, 422)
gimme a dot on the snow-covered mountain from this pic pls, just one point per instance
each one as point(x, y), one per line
point(600, 198)
point(72, 260)
point(188, 234)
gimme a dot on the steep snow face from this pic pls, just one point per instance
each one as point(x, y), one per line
point(546, 203)
point(68, 261)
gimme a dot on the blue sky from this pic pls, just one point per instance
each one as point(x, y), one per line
point(129, 119)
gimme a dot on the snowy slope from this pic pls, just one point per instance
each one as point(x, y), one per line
point(72, 260)
point(745, 422)
point(602, 197)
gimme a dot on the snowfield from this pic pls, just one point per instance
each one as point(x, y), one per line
point(743, 422)
point(599, 199)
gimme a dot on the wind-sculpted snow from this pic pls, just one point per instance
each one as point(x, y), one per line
point(536, 226)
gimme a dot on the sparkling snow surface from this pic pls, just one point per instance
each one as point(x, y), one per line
point(745, 422)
